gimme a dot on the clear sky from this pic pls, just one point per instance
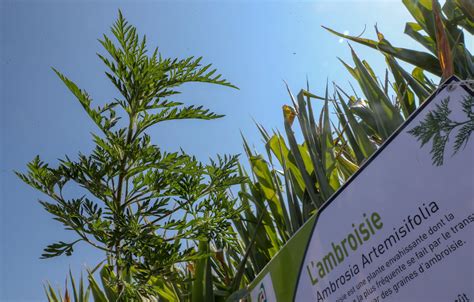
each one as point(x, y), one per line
point(256, 45)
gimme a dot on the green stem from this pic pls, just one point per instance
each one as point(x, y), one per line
point(118, 199)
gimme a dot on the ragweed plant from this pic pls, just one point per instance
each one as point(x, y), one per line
point(143, 207)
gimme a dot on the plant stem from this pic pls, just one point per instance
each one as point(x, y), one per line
point(118, 199)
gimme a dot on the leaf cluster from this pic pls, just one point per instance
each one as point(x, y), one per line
point(437, 127)
point(144, 207)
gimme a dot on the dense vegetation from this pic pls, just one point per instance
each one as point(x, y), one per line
point(167, 223)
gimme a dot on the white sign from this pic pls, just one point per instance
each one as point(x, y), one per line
point(403, 228)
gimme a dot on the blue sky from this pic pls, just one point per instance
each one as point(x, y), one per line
point(255, 45)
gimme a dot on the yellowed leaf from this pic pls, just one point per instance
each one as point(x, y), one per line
point(66, 296)
point(289, 113)
point(442, 44)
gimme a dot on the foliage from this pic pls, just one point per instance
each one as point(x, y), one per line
point(293, 179)
point(438, 30)
point(80, 293)
point(106, 292)
point(438, 126)
point(145, 208)
point(287, 185)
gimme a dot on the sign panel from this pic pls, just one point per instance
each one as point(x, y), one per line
point(402, 228)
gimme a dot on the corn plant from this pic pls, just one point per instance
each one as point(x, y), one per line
point(293, 179)
point(440, 31)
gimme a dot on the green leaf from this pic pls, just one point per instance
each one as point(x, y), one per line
point(97, 293)
point(424, 60)
point(202, 288)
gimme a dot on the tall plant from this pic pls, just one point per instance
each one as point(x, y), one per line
point(143, 207)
